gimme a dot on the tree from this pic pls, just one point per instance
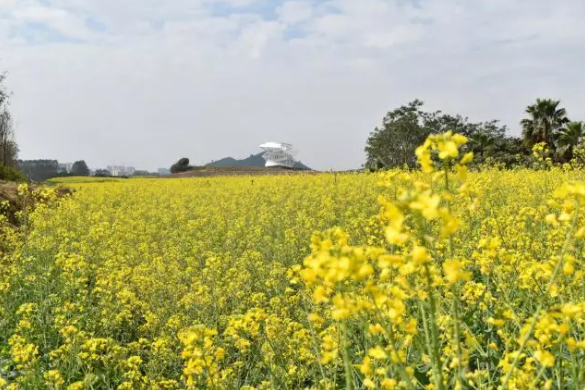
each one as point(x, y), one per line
point(39, 170)
point(546, 118)
point(181, 166)
point(102, 173)
point(11, 174)
point(403, 129)
point(569, 137)
point(393, 144)
point(140, 172)
point(80, 168)
point(505, 151)
point(481, 143)
point(8, 146)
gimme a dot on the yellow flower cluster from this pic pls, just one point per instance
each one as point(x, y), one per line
point(443, 278)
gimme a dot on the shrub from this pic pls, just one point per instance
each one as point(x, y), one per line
point(11, 174)
point(181, 166)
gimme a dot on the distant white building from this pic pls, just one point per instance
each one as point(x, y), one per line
point(120, 170)
point(278, 154)
point(164, 171)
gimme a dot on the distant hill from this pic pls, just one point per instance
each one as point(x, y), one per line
point(255, 160)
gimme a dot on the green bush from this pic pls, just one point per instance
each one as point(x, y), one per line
point(181, 166)
point(11, 174)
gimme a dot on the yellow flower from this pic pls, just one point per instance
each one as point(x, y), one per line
point(447, 149)
point(320, 295)
point(455, 271)
point(220, 353)
point(545, 358)
point(427, 204)
point(369, 384)
point(467, 158)
point(420, 255)
point(53, 379)
point(377, 353)
point(366, 366)
point(315, 318)
point(389, 384)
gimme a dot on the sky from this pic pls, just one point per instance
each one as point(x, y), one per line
point(145, 82)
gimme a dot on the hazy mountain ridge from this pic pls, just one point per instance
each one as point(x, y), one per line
point(254, 160)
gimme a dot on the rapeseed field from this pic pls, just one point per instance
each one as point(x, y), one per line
point(442, 278)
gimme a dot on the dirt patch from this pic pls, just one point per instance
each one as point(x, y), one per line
point(12, 200)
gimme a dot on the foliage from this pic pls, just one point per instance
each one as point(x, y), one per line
point(80, 168)
point(546, 118)
point(8, 146)
point(102, 173)
point(39, 170)
point(139, 172)
point(181, 166)
point(392, 145)
point(440, 278)
point(568, 137)
point(11, 174)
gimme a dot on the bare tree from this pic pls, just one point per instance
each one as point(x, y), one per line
point(8, 146)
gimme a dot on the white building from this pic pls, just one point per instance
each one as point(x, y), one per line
point(278, 154)
point(121, 170)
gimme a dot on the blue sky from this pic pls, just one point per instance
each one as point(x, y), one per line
point(145, 82)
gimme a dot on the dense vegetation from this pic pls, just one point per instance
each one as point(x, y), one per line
point(181, 166)
point(432, 278)
point(392, 145)
point(440, 278)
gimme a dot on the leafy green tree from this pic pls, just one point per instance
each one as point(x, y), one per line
point(545, 119)
point(506, 152)
point(11, 174)
point(403, 129)
point(181, 166)
point(102, 173)
point(80, 168)
point(481, 144)
point(393, 144)
point(569, 137)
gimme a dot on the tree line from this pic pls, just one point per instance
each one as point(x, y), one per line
point(41, 170)
point(392, 144)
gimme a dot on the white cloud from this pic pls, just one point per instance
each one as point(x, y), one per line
point(70, 25)
point(293, 12)
point(206, 79)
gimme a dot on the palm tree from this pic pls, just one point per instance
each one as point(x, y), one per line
point(546, 118)
point(480, 143)
point(568, 137)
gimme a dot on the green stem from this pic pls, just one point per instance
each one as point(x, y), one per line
point(455, 308)
point(549, 286)
point(448, 189)
point(535, 381)
point(455, 305)
point(346, 362)
point(437, 366)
